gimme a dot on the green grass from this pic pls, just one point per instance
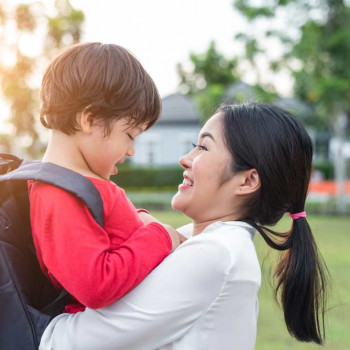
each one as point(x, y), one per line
point(332, 235)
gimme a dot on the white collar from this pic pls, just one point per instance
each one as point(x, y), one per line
point(187, 230)
point(218, 224)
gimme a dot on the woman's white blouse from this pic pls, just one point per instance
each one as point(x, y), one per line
point(203, 296)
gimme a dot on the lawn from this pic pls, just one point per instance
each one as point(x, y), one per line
point(332, 235)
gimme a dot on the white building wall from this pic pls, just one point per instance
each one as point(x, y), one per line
point(334, 148)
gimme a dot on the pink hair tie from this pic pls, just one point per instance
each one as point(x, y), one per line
point(298, 215)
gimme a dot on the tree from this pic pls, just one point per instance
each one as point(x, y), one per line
point(17, 77)
point(207, 78)
point(316, 50)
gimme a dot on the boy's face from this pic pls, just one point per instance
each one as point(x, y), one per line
point(101, 153)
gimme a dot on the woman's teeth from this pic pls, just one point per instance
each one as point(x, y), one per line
point(187, 182)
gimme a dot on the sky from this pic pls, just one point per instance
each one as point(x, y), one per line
point(161, 34)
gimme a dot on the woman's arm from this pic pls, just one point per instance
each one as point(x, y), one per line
point(160, 310)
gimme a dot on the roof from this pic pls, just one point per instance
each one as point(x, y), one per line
point(178, 108)
point(240, 90)
point(294, 105)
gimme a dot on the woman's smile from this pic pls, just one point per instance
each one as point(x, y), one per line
point(186, 184)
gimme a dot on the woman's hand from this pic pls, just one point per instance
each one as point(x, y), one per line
point(176, 237)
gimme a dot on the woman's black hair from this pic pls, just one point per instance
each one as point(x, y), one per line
point(275, 143)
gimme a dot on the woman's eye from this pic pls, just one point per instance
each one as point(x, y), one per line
point(200, 147)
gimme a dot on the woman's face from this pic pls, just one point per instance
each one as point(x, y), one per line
point(207, 190)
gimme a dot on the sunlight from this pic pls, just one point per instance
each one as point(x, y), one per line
point(29, 44)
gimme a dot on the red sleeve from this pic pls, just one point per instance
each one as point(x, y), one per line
point(76, 251)
point(141, 210)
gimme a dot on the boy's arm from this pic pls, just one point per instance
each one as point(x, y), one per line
point(77, 252)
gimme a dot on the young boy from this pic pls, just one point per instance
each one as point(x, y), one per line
point(96, 98)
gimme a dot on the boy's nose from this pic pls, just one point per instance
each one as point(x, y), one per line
point(131, 151)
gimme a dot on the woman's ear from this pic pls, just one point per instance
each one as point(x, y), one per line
point(249, 182)
point(85, 119)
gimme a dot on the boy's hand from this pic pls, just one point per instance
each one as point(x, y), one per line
point(147, 218)
point(176, 237)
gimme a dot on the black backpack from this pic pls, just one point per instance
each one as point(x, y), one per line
point(28, 301)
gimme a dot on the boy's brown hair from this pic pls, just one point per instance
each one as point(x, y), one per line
point(104, 79)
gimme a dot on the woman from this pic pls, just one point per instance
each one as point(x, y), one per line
point(252, 165)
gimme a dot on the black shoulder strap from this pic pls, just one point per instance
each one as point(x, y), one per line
point(64, 178)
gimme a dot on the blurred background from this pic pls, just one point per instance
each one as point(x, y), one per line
point(202, 53)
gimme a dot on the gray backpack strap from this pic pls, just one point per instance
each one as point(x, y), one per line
point(64, 178)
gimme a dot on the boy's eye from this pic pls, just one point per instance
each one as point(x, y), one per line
point(201, 148)
point(130, 137)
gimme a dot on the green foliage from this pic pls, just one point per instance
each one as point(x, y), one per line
point(65, 27)
point(154, 177)
point(209, 99)
point(209, 68)
point(263, 95)
point(326, 52)
point(253, 12)
point(322, 49)
point(212, 73)
point(206, 80)
point(17, 79)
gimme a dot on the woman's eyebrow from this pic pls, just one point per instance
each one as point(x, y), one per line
point(206, 134)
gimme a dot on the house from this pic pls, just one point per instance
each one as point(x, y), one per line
point(178, 127)
point(173, 134)
point(320, 135)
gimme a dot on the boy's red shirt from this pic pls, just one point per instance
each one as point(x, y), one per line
point(97, 266)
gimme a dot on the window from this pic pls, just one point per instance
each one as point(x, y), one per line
point(151, 151)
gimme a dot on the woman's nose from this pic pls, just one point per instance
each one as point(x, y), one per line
point(186, 161)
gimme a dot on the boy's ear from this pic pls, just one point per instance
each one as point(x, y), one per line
point(85, 119)
point(248, 182)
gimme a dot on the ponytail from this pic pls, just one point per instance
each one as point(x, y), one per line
point(301, 280)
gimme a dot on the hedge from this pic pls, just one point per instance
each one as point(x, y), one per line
point(152, 177)
point(170, 177)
